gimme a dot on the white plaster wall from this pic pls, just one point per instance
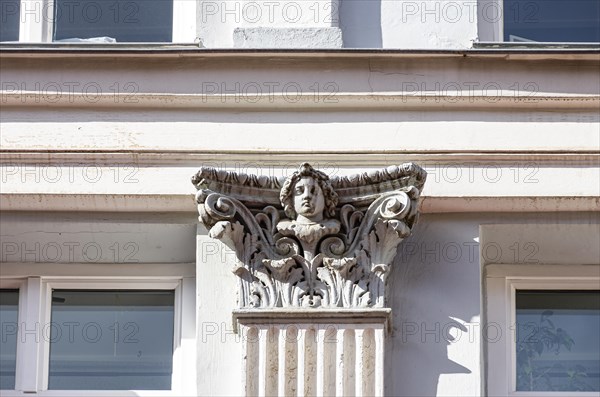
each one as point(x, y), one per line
point(219, 359)
point(436, 293)
point(405, 24)
point(474, 123)
point(139, 156)
point(80, 238)
point(435, 347)
point(214, 27)
point(428, 24)
point(217, 20)
point(108, 130)
point(445, 179)
point(435, 344)
point(491, 75)
point(290, 14)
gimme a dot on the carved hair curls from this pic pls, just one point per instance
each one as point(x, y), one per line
point(306, 170)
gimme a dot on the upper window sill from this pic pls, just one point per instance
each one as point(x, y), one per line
point(534, 46)
point(14, 45)
point(584, 51)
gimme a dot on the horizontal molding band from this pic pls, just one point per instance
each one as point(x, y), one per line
point(283, 158)
point(433, 205)
point(501, 50)
point(272, 316)
point(468, 101)
point(186, 203)
point(555, 271)
point(76, 270)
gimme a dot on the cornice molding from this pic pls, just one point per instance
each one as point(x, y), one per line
point(179, 203)
point(302, 101)
point(280, 159)
point(556, 51)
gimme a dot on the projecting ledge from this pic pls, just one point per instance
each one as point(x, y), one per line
point(313, 316)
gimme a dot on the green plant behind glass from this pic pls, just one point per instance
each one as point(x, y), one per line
point(544, 336)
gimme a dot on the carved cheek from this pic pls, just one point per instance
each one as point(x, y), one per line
point(319, 201)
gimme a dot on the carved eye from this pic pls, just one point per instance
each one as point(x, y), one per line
point(299, 190)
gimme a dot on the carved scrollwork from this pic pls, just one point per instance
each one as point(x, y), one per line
point(333, 247)
point(335, 251)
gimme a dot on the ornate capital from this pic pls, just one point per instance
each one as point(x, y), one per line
point(310, 240)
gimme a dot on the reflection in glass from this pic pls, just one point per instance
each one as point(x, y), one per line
point(9, 20)
point(122, 20)
point(558, 343)
point(552, 20)
point(111, 340)
point(9, 311)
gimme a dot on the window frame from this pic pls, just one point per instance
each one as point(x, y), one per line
point(489, 30)
point(500, 312)
point(35, 305)
point(18, 284)
point(39, 29)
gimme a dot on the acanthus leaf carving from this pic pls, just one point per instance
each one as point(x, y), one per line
point(308, 240)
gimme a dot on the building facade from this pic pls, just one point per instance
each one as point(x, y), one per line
point(112, 285)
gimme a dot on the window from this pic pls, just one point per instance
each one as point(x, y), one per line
point(93, 333)
point(98, 21)
point(122, 20)
point(541, 333)
point(557, 341)
point(525, 303)
point(111, 340)
point(552, 20)
point(9, 304)
point(9, 20)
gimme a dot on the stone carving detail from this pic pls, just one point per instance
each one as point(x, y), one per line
point(310, 240)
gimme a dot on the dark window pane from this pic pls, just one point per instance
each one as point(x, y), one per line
point(9, 311)
point(558, 342)
point(123, 20)
point(552, 20)
point(9, 20)
point(111, 340)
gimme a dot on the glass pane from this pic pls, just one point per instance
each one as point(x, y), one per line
point(122, 20)
point(552, 20)
point(111, 340)
point(9, 311)
point(9, 20)
point(558, 340)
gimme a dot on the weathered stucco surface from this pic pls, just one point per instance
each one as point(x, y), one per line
point(80, 168)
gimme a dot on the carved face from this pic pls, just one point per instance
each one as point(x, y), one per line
point(309, 201)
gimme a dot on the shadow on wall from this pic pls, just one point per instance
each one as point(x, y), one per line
point(435, 296)
point(360, 21)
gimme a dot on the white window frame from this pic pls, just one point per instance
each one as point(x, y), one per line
point(35, 300)
point(18, 284)
point(36, 25)
point(500, 296)
point(490, 30)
